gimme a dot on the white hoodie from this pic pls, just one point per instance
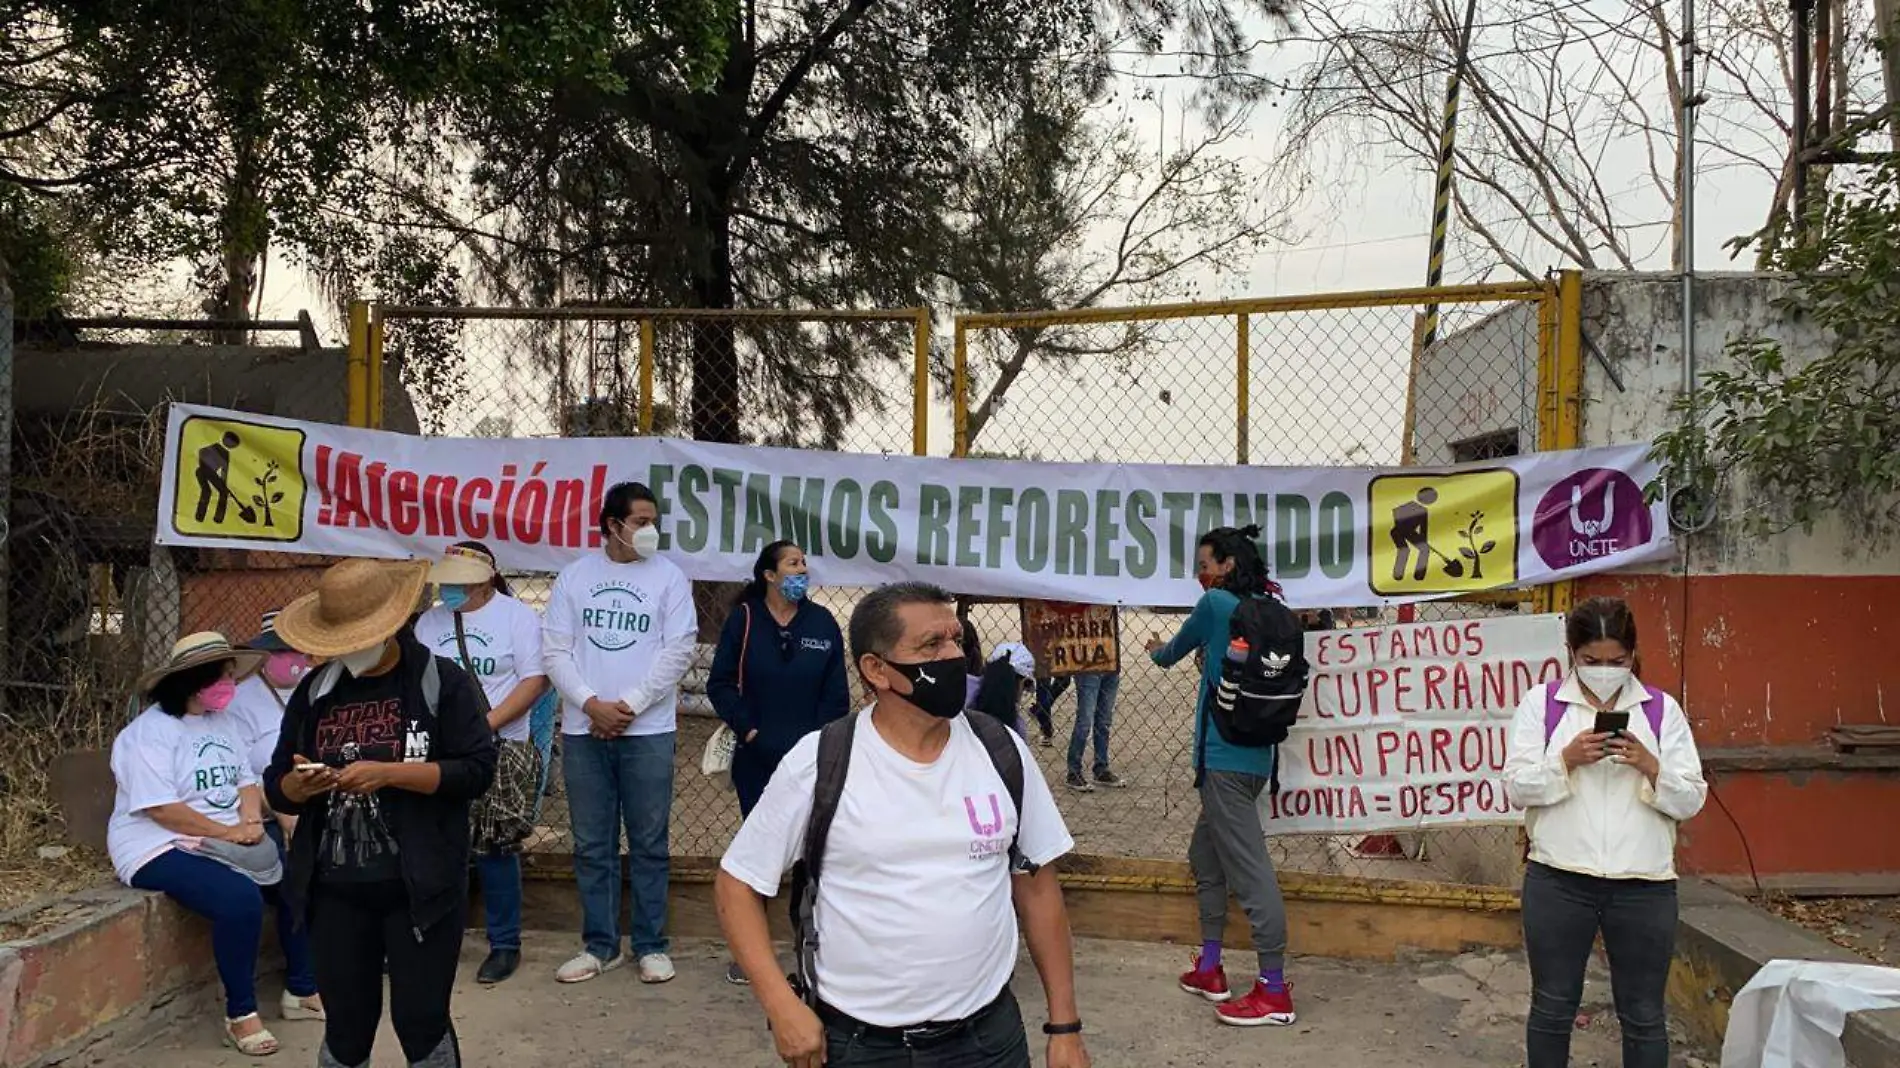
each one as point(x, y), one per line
point(1605, 819)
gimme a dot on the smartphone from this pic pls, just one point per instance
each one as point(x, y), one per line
point(1611, 723)
point(326, 767)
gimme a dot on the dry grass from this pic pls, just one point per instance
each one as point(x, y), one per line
point(35, 729)
point(66, 673)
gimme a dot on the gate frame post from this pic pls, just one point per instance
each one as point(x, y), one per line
point(1560, 392)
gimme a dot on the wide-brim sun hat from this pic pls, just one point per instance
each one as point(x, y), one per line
point(357, 603)
point(196, 650)
point(462, 566)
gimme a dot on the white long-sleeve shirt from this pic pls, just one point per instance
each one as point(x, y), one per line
point(621, 632)
point(1604, 819)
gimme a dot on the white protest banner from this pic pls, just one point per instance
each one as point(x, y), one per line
point(1089, 533)
point(1404, 727)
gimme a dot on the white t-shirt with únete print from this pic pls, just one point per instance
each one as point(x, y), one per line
point(504, 647)
point(915, 917)
point(160, 759)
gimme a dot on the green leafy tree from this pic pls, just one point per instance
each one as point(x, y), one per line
point(252, 113)
point(813, 153)
point(1810, 434)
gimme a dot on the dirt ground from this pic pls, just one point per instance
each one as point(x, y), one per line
point(1869, 926)
point(1432, 1014)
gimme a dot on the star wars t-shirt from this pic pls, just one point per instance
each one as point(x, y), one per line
point(363, 719)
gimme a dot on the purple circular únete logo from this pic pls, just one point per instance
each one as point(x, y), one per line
point(1589, 515)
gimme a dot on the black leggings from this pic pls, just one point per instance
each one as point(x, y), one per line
point(352, 927)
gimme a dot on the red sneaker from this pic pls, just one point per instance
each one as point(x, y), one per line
point(1259, 1008)
point(1209, 983)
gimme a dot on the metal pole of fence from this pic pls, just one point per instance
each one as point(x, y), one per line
point(646, 376)
point(920, 385)
point(1441, 195)
point(375, 369)
point(960, 389)
point(356, 368)
point(1243, 385)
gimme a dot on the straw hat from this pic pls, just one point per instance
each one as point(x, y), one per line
point(196, 650)
point(462, 565)
point(357, 604)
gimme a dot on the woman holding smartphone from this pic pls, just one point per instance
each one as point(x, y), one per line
point(1605, 768)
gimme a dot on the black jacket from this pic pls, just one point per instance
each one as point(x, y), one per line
point(789, 690)
point(431, 830)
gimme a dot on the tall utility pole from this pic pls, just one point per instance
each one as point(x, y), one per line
point(1441, 195)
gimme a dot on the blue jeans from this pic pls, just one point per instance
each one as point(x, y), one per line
point(610, 782)
point(235, 907)
point(501, 899)
point(1094, 714)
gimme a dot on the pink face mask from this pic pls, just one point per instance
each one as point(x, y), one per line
point(217, 696)
point(284, 670)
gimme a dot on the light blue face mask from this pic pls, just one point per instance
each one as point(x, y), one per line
point(795, 587)
point(454, 597)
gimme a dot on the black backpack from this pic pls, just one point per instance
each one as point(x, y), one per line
point(1258, 696)
point(834, 761)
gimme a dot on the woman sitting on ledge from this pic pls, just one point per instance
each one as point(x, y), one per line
point(188, 822)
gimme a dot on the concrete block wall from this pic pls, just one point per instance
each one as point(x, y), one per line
point(99, 969)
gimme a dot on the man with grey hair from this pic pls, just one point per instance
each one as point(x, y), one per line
point(924, 846)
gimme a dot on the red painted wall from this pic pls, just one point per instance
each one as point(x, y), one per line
point(1776, 660)
point(1769, 659)
point(1795, 822)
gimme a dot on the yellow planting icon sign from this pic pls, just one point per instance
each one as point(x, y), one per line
point(1445, 533)
point(238, 479)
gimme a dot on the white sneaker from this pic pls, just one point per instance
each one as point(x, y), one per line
point(587, 966)
point(656, 968)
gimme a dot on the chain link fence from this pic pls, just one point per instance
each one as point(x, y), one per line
point(842, 381)
point(88, 600)
point(1335, 380)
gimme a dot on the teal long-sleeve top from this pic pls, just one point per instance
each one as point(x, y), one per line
point(1206, 630)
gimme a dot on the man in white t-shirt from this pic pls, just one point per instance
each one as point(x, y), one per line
point(619, 635)
point(917, 936)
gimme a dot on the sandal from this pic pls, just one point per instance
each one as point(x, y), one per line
point(259, 1043)
point(295, 1008)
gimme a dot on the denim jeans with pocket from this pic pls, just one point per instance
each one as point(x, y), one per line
point(1563, 911)
point(615, 782)
point(1094, 717)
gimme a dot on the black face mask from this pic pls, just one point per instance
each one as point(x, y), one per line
point(938, 686)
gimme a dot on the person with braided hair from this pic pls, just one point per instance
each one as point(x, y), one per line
point(1228, 851)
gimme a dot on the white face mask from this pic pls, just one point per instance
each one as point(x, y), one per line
point(362, 660)
point(1604, 680)
point(644, 542)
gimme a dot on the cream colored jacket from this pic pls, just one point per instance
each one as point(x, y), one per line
point(1606, 819)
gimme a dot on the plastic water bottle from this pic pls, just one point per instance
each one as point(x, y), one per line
point(1238, 650)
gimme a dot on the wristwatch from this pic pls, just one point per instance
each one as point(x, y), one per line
point(1074, 1028)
